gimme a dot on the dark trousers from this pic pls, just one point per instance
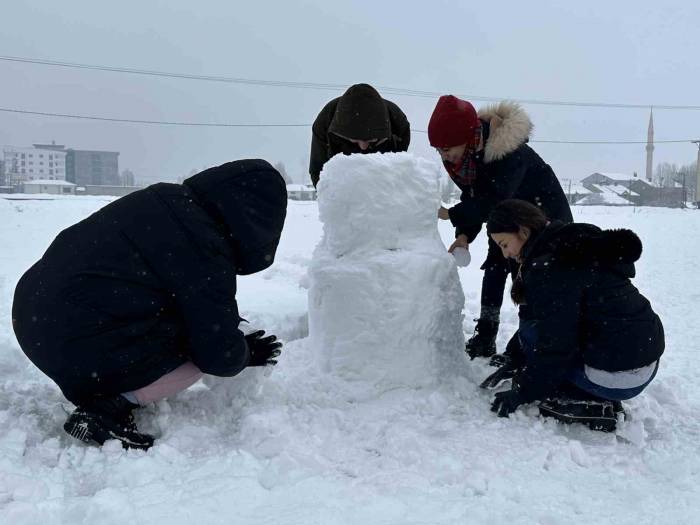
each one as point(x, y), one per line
point(496, 269)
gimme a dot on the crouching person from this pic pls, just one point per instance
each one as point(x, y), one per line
point(137, 301)
point(587, 338)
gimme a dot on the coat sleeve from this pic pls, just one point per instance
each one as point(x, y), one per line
point(549, 331)
point(401, 129)
point(319, 141)
point(318, 156)
point(211, 318)
point(470, 231)
point(473, 210)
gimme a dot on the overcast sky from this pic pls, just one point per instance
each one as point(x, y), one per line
point(611, 52)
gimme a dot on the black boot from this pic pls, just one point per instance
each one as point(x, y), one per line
point(483, 342)
point(513, 355)
point(107, 418)
point(598, 414)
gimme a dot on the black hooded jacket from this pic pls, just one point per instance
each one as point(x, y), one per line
point(149, 281)
point(361, 114)
point(581, 308)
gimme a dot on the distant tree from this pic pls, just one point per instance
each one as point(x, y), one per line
point(279, 166)
point(665, 173)
point(669, 175)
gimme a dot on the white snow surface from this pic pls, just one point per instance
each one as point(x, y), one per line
point(385, 302)
point(290, 447)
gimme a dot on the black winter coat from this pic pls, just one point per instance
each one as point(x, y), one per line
point(580, 307)
point(507, 168)
point(359, 114)
point(149, 281)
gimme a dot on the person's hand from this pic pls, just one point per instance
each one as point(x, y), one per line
point(444, 213)
point(505, 403)
point(263, 350)
point(504, 373)
point(460, 241)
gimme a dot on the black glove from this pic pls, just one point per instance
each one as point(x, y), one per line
point(505, 372)
point(263, 350)
point(505, 403)
point(499, 360)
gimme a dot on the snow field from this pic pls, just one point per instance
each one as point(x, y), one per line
point(298, 445)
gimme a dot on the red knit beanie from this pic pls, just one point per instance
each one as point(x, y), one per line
point(452, 123)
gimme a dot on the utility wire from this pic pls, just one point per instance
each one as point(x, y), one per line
point(157, 122)
point(230, 125)
point(334, 87)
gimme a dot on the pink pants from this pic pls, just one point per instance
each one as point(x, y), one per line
point(168, 385)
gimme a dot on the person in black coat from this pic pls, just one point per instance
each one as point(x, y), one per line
point(588, 339)
point(144, 289)
point(359, 121)
point(487, 156)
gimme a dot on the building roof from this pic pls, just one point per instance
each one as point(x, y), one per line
point(606, 196)
point(578, 189)
point(615, 176)
point(45, 182)
point(620, 189)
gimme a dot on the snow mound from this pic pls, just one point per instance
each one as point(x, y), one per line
point(385, 301)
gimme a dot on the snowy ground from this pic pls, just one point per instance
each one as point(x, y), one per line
point(290, 448)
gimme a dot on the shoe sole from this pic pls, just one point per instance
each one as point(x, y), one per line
point(603, 424)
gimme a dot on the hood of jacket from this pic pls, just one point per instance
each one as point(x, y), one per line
point(509, 128)
point(249, 199)
point(361, 114)
point(580, 245)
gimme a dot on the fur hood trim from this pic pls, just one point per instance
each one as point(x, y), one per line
point(510, 127)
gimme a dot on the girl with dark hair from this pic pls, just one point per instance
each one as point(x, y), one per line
point(587, 338)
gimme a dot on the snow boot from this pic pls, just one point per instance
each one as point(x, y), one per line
point(598, 414)
point(513, 355)
point(105, 418)
point(483, 342)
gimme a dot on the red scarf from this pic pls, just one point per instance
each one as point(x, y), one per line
point(465, 174)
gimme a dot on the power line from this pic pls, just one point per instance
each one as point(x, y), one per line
point(157, 122)
point(232, 125)
point(335, 87)
point(593, 141)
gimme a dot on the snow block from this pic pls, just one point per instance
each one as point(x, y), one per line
point(385, 301)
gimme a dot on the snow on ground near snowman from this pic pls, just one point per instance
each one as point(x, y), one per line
point(289, 448)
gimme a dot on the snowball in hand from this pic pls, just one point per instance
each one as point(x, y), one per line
point(462, 256)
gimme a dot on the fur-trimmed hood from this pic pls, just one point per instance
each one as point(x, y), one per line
point(510, 127)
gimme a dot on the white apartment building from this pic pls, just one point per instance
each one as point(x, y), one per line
point(28, 164)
